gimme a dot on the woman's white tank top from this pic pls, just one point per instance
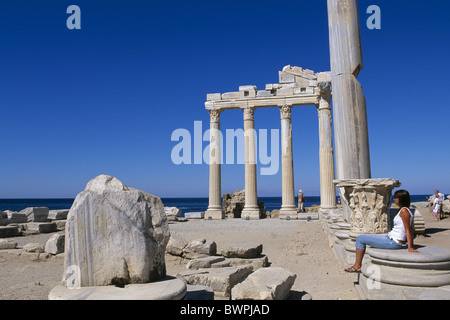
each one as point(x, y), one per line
point(398, 232)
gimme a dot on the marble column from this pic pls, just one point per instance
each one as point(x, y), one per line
point(349, 105)
point(215, 211)
point(288, 208)
point(326, 153)
point(251, 210)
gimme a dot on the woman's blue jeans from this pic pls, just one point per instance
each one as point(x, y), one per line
point(380, 241)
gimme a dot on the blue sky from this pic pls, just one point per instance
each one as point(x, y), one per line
point(105, 99)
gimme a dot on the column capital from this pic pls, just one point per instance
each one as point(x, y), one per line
point(249, 113)
point(285, 112)
point(215, 115)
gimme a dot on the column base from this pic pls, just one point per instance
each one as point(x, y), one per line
point(289, 213)
point(214, 214)
point(251, 214)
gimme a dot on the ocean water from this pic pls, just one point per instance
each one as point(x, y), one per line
point(184, 204)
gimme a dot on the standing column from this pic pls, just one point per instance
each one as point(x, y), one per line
point(288, 209)
point(215, 211)
point(349, 105)
point(251, 209)
point(326, 156)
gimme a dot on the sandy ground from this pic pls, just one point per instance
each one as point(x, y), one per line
point(299, 246)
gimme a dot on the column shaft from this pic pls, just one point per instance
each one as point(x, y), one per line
point(349, 105)
point(326, 155)
point(251, 209)
point(288, 208)
point(215, 211)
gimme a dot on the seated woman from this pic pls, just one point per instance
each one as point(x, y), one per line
point(401, 232)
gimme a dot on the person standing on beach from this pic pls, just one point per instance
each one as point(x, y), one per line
point(401, 232)
point(301, 201)
point(440, 196)
point(437, 204)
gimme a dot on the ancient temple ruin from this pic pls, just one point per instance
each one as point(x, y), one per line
point(296, 87)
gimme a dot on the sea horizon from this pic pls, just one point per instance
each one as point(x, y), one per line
point(185, 204)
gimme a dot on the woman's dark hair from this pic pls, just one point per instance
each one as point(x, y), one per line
point(404, 199)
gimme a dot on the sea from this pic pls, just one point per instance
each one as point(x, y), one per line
point(184, 204)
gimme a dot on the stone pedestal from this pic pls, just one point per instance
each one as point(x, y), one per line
point(366, 204)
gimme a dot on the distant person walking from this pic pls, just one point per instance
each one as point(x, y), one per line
point(401, 233)
point(301, 201)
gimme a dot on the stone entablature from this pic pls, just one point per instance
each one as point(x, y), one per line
point(296, 86)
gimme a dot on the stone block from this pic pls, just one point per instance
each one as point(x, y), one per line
point(194, 215)
point(3, 218)
point(166, 289)
point(204, 262)
point(231, 95)
point(172, 213)
point(241, 250)
point(213, 97)
point(285, 92)
point(176, 244)
point(256, 263)
point(7, 244)
point(286, 77)
point(9, 231)
point(220, 280)
point(116, 235)
point(33, 248)
point(271, 283)
point(55, 244)
point(58, 214)
point(200, 248)
point(36, 214)
point(264, 94)
point(42, 227)
point(16, 217)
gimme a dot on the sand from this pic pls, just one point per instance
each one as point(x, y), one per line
point(299, 246)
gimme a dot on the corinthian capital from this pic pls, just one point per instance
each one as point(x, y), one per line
point(215, 115)
point(285, 112)
point(249, 113)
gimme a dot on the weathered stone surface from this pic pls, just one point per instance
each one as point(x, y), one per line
point(194, 215)
point(271, 283)
point(172, 213)
point(176, 244)
point(58, 214)
point(115, 234)
point(42, 227)
point(241, 250)
point(204, 262)
point(55, 244)
point(3, 218)
point(7, 244)
point(200, 248)
point(33, 247)
point(220, 280)
point(36, 214)
point(9, 231)
point(16, 217)
point(233, 204)
point(167, 289)
point(260, 262)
